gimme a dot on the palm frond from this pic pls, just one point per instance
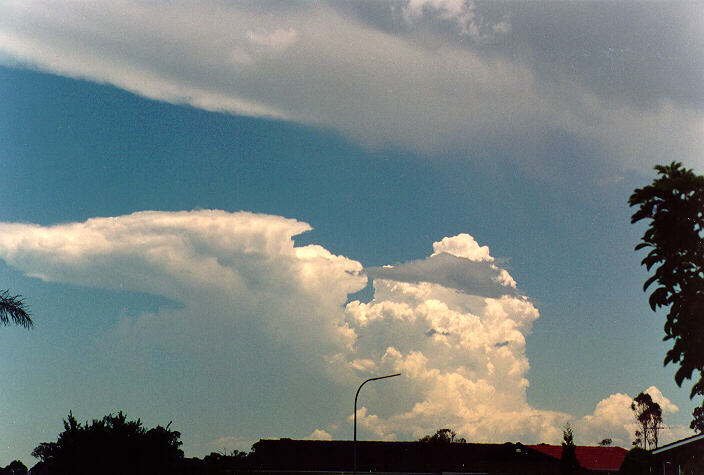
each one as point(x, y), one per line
point(13, 308)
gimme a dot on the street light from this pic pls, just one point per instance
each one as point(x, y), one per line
point(354, 443)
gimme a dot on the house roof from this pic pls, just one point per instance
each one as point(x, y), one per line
point(287, 454)
point(679, 443)
point(592, 458)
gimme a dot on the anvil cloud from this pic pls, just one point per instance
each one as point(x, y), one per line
point(435, 77)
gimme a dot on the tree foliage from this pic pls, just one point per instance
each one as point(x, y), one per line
point(443, 436)
point(698, 419)
point(636, 462)
point(568, 460)
point(16, 467)
point(648, 414)
point(111, 445)
point(674, 206)
point(218, 464)
point(13, 308)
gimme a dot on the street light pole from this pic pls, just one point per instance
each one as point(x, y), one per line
point(354, 443)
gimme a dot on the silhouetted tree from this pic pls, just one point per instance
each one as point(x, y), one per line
point(698, 419)
point(674, 206)
point(605, 442)
point(12, 307)
point(16, 467)
point(568, 461)
point(443, 436)
point(649, 417)
point(638, 440)
point(218, 463)
point(636, 462)
point(112, 445)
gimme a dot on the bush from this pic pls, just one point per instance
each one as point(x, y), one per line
point(16, 467)
point(637, 462)
point(111, 445)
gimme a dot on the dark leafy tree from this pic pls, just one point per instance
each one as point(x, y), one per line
point(638, 441)
point(606, 442)
point(636, 462)
point(648, 414)
point(443, 436)
point(13, 308)
point(111, 445)
point(16, 467)
point(698, 419)
point(568, 461)
point(673, 205)
point(218, 464)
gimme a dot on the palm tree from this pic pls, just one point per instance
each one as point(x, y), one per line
point(13, 308)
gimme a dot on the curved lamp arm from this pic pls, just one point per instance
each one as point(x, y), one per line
point(354, 443)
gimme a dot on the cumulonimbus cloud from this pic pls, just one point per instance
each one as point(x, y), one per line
point(459, 341)
point(453, 323)
point(414, 87)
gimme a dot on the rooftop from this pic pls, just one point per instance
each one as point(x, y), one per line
point(590, 457)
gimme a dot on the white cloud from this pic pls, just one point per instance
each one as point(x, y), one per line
point(665, 404)
point(243, 288)
point(240, 264)
point(461, 13)
point(462, 245)
point(613, 418)
point(251, 327)
point(319, 434)
point(462, 354)
point(419, 89)
point(449, 8)
point(277, 40)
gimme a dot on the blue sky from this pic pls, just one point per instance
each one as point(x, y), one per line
point(160, 162)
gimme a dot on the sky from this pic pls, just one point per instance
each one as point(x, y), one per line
point(227, 215)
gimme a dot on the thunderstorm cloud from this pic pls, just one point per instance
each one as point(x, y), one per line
point(453, 323)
